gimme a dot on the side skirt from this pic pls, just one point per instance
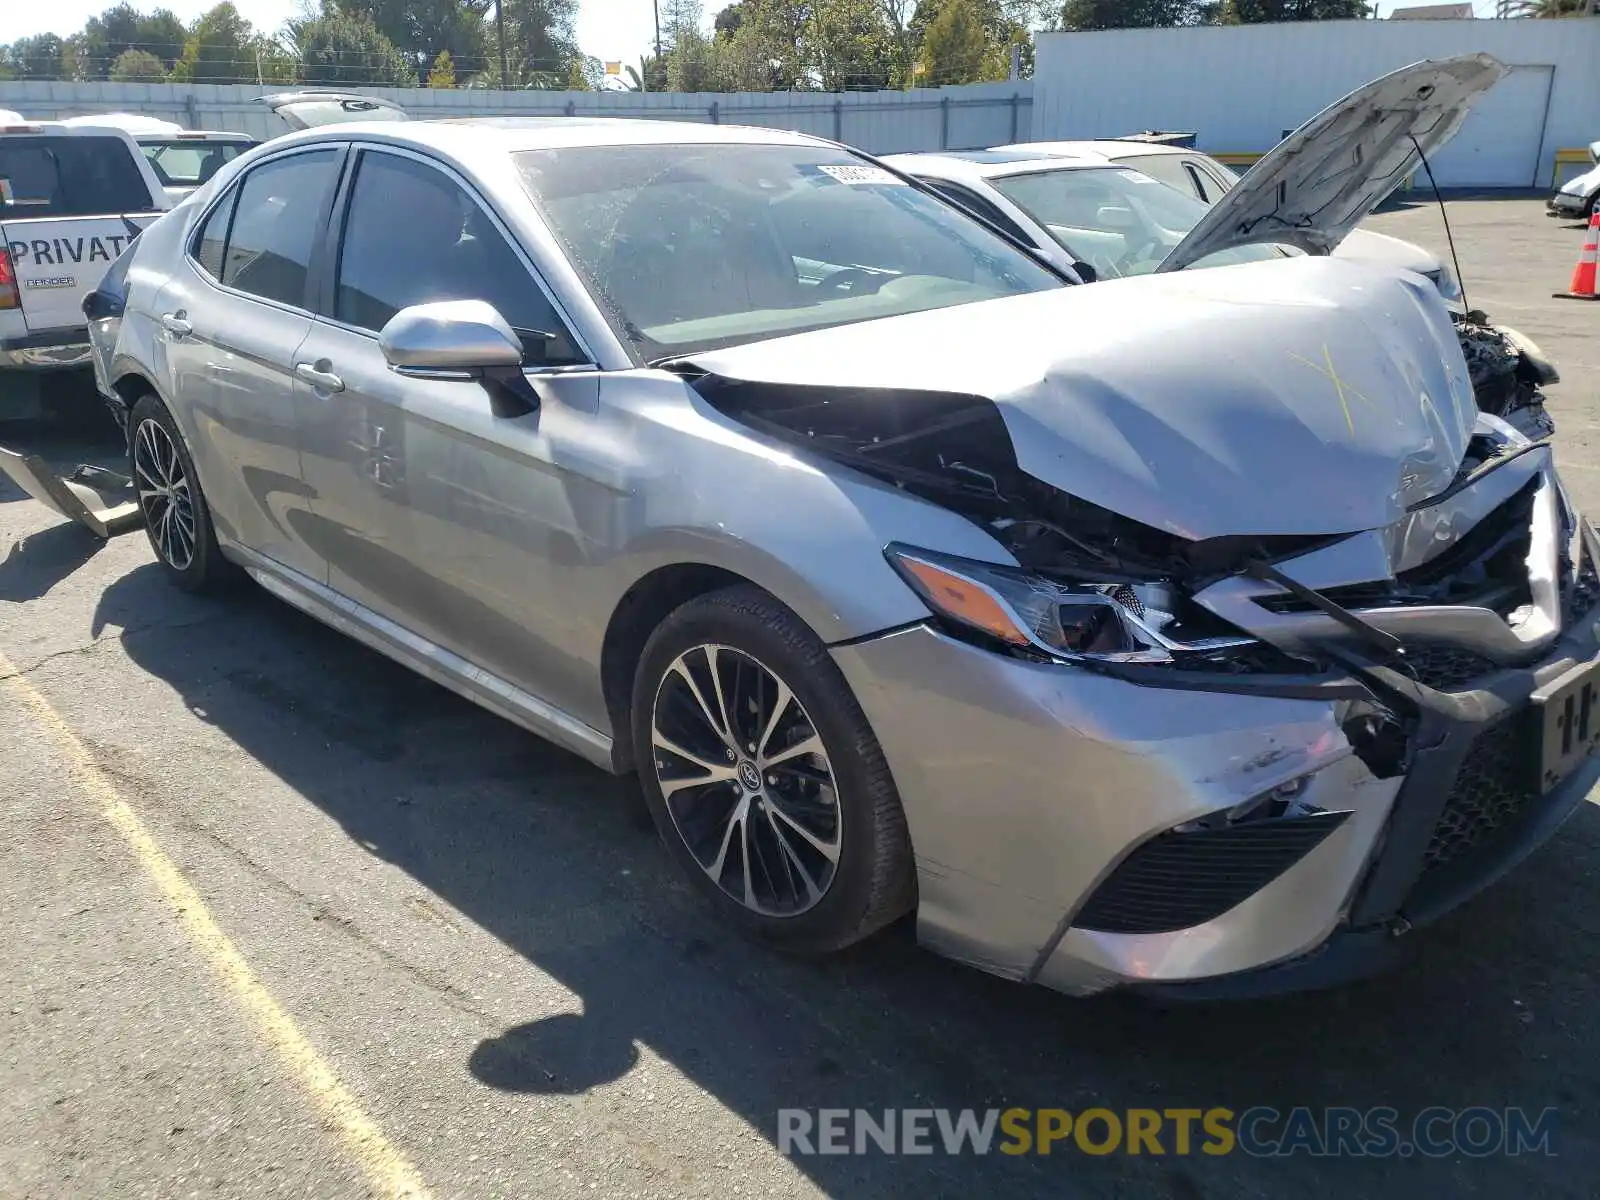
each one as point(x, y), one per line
point(424, 657)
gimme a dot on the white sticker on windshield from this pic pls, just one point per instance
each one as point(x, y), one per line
point(5, 192)
point(860, 174)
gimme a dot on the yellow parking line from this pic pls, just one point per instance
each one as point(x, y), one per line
point(386, 1167)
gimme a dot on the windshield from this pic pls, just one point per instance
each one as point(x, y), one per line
point(189, 162)
point(1119, 221)
point(692, 247)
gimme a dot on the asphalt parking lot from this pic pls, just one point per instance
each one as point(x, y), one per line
point(286, 920)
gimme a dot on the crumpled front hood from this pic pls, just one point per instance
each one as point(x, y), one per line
point(1304, 396)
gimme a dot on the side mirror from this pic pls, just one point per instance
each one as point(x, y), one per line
point(448, 339)
point(460, 340)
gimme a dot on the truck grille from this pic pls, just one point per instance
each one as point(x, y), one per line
point(1186, 877)
point(1496, 782)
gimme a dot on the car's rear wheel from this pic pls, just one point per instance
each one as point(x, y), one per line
point(763, 776)
point(176, 516)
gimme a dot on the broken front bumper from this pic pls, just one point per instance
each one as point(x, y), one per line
point(100, 500)
point(1089, 828)
point(1034, 791)
point(1565, 204)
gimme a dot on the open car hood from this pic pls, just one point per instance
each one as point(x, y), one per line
point(307, 110)
point(1312, 188)
point(1299, 396)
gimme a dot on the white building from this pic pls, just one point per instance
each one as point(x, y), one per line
point(1241, 87)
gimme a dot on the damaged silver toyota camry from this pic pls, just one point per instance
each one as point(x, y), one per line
point(1192, 631)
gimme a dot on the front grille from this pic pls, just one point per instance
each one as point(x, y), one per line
point(1496, 782)
point(1443, 667)
point(1183, 878)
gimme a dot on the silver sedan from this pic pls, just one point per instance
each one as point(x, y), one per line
point(1133, 634)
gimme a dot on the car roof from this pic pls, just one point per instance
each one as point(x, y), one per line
point(1011, 161)
point(464, 136)
point(196, 135)
point(1114, 148)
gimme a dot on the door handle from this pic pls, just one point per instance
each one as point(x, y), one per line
point(177, 323)
point(325, 381)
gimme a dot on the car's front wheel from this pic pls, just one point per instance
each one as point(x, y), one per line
point(176, 516)
point(763, 776)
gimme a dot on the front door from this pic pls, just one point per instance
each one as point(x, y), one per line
point(430, 510)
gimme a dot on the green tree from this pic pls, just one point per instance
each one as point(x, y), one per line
point(221, 49)
point(442, 74)
point(953, 48)
point(542, 40)
point(162, 34)
point(1258, 12)
point(37, 57)
point(342, 49)
point(1128, 14)
point(848, 44)
point(137, 66)
point(744, 61)
point(423, 29)
point(692, 62)
point(1546, 9)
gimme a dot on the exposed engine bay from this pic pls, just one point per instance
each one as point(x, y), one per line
point(957, 451)
point(1507, 372)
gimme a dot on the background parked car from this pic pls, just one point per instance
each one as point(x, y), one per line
point(1105, 220)
point(1208, 180)
point(72, 197)
point(1578, 197)
point(182, 159)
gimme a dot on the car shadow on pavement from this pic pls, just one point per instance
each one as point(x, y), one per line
point(559, 861)
point(36, 563)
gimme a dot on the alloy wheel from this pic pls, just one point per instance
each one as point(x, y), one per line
point(164, 494)
point(746, 780)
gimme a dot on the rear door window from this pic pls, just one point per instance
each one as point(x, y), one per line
point(189, 163)
point(62, 176)
point(276, 222)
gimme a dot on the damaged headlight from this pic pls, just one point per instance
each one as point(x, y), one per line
point(1109, 622)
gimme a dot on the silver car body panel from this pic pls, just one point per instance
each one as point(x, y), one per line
point(491, 553)
point(1313, 396)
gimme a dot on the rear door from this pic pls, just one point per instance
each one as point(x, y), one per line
point(69, 204)
point(233, 318)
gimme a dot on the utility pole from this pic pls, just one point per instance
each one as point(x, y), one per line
point(500, 36)
point(655, 6)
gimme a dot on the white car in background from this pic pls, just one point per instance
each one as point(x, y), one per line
point(1100, 218)
point(1578, 197)
point(182, 159)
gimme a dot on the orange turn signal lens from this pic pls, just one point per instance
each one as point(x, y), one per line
point(961, 599)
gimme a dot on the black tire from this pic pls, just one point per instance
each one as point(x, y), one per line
point(203, 569)
point(872, 881)
point(1588, 209)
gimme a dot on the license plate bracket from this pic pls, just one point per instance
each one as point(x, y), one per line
point(1569, 717)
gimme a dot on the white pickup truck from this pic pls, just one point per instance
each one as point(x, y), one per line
point(72, 198)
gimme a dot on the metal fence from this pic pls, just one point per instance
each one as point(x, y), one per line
point(948, 118)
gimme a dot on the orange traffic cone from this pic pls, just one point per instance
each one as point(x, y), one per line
point(1583, 281)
